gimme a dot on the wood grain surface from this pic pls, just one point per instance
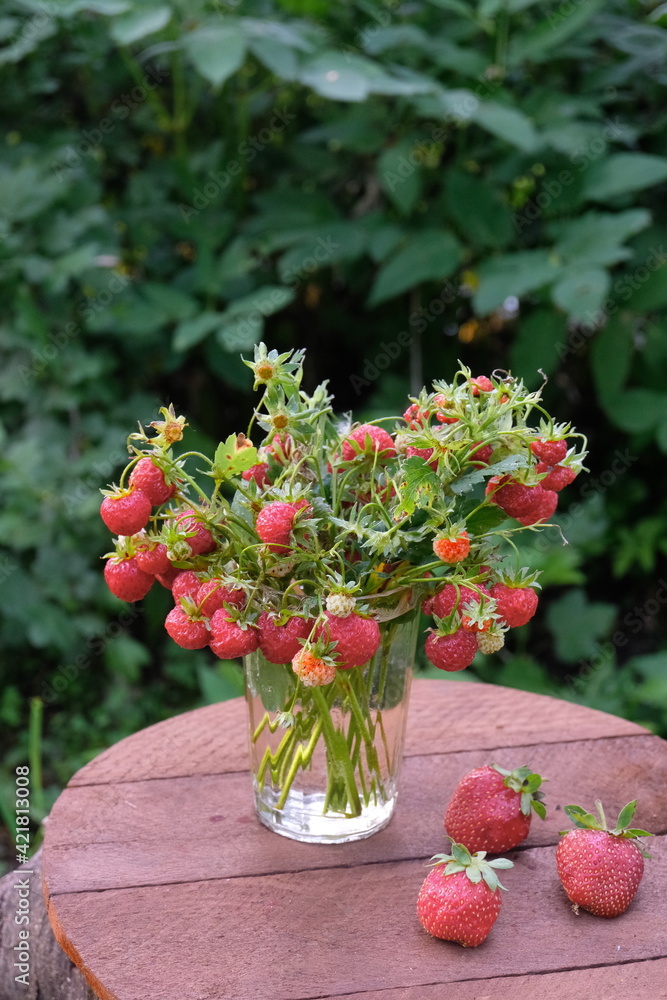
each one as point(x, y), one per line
point(162, 885)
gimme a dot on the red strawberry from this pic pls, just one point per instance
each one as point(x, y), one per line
point(198, 537)
point(125, 512)
point(516, 605)
point(557, 478)
point(446, 599)
point(213, 595)
point(414, 417)
point(228, 640)
point(481, 384)
point(549, 452)
point(186, 584)
point(149, 478)
point(168, 578)
point(186, 630)
point(544, 505)
point(126, 580)
point(491, 808)
point(459, 899)
point(601, 869)
point(357, 639)
point(452, 549)
point(280, 643)
point(482, 454)
point(312, 670)
point(154, 559)
point(451, 652)
point(512, 497)
point(366, 440)
point(274, 525)
point(281, 447)
point(425, 453)
point(442, 417)
point(259, 472)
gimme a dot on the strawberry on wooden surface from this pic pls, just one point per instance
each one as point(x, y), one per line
point(459, 898)
point(491, 808)
point(600, 869)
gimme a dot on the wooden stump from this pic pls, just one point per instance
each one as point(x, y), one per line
point(162, 885)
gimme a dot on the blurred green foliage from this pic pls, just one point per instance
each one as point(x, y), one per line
point(391, 185)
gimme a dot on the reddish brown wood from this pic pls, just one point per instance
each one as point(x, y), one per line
point(470, 718)
point(160, 882)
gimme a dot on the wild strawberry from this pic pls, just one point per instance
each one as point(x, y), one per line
point(512, 497)
point(274, 525)
point(452, 549)
point(186, 584)
point(168, 578)
point(601, 869)
point(491, 808)
point(451, 652)
point(415, 417)
point(340, 604)
point(425, 453)
point(280, 643)
point(515, 605)
point(126, 580)
point(481, 384)
point(368, 439)
point(482, 454)
point(125, 512)
point(357, 639)
point(153, 559)
point(427, 604)
point(441, 415)
point(228, 640)
point(213, 595)
point(491, 641)
point(199, 539)
point(450, 597)
point(187, 631)
point(259, 472)
point(549, 452)
point(281, 447)
point(544, 505)
point(459, 899)
point(313, 671)
point(557, 478)
point(149, 478)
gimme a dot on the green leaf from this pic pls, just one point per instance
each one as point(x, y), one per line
point(221, 682)
point(192, 331)
point(399, 176)
point(476, 207)
point(637, 410)
point(582, 293)
point(465, 483)
point(132, 27)
point(577, 624)
point(508, 124)
point(513, 274)
point(626, 814)
point(241, 333)
point(621, 173)
point(229, 460)
point(635, 832)
point(558, 25)
point(490, 878)
point(420, 487)
point(475, 875)
point(539, 808)
point(461, 854)
point(216, 51)
point(537, 345)
point(266, 300)
point(595, 238)
point(611, 356)
point(502, 863)
point(427, 255)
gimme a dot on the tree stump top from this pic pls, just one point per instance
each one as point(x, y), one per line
point(161, 884)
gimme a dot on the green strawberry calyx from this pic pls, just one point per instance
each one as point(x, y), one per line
point(526, 782)
point(587, 821)
point(476, 867)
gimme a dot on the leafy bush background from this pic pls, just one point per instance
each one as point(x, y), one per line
point(393, 186)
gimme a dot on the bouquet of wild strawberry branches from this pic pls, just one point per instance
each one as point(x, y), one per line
point(302, 551)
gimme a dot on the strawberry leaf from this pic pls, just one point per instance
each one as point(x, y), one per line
point(474, 874)
point(420, 487)
point(230, 460)
point(501, 863)
point(626, 814)
point(491, 878)
point(582, 819)
point(633, 832)
point(461, 854)
point(539, 808)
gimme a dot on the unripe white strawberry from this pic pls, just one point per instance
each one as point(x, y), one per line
point(340, 605)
